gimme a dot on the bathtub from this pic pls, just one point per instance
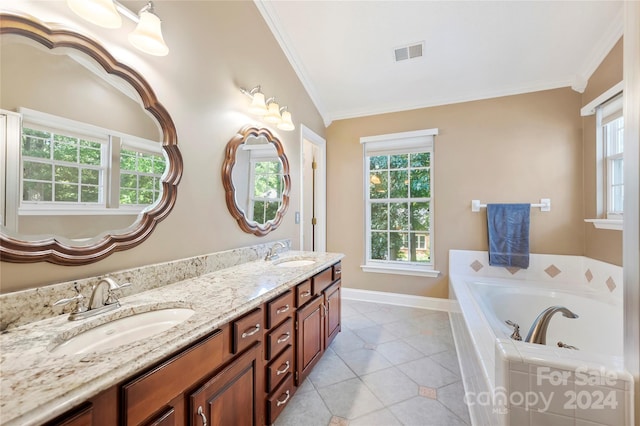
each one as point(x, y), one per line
point(509, 382)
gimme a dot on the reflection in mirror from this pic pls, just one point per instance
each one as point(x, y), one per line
point(256, 179)
point(90, 161)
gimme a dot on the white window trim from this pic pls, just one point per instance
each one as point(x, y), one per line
point(607, 221)
point(394, 142)
point(66, 125)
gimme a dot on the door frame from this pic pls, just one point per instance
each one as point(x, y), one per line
point(320, 143)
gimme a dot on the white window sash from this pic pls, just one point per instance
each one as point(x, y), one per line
point(391, 144)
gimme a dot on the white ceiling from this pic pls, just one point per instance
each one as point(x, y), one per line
point(343, 51)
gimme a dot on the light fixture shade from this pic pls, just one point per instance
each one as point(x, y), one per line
point(273, 113)
point(258, 106)
point(286, 123)
point(148, 36)
point(99, 12)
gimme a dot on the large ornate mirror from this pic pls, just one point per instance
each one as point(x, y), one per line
point(90, 162)
point(256, 179)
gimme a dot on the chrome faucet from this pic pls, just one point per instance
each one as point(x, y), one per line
point(273, 251)
point(97, 303)
point(98, 300)
point(538, 331)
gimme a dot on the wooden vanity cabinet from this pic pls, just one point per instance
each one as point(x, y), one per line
point(232, 396)
point(317, 321)
point(242, 374)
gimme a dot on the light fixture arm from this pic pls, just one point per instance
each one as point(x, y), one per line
point(251, 92)
point(124, 10)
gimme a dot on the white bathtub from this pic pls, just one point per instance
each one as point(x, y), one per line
point(510, 382)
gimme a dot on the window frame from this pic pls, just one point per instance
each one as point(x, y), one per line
point(604, 218)
point(113, 142)
point(390, 144)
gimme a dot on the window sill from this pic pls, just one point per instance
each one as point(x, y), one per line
point(401, 270)
point(77, 212)
point(612, 224)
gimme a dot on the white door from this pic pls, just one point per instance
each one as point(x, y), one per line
point(313, 195)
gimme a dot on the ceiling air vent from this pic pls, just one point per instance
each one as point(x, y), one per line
point(409, 52)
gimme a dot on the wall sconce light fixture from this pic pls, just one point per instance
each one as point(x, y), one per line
point(269, 109)
point(147, 36)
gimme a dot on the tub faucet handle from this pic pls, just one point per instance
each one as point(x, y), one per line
point(516, 330)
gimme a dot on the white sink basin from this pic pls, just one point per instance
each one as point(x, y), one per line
point(123, 330)
point(294, 263)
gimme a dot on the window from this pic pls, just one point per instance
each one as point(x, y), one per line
point(59, 168)
point(611, 128)
point(71, 167)
point(267, 189)
point(140, 177)
point(399, 203)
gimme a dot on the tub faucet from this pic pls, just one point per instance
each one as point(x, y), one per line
point(538, 331)
point(273, 251)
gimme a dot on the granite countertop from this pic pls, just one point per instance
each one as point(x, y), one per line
point(37, 385)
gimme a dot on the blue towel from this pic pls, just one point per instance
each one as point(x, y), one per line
point(508, 226)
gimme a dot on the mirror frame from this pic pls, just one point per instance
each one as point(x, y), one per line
point(50, 249)
point(227, 168)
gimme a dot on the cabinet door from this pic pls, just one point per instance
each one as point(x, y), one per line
point(231, 396)
point(310, 337)
point(332, 302)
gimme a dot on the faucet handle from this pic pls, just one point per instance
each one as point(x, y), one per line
point(516, 330)
point(79, 298)
point(111, 297)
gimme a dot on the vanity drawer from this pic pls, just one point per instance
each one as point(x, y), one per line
point(303, 293)
point(247, 330)
point(279, 309)
point(279, 338)
point(278, 369)
point(279, 399)
point(154, 389)
point(337, 271)
point(322, 280)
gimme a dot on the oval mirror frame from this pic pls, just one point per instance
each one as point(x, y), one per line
point(236, 211)
point(50, 249)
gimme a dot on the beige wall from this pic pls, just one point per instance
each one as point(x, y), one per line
point(601, 244)
point(216, 47)
point(510, 149)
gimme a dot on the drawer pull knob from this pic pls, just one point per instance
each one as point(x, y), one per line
point(284, 401)
point(284, 337)
point(201, 414)
point(252, 332)
point(284, 370)
point(305, 294)
point(282, 310)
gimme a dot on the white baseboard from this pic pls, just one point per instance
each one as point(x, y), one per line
point(412, 301)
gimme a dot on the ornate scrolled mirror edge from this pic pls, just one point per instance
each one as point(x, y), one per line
point(230, 190)
point(50, 249)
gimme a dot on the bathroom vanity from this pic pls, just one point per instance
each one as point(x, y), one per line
point(258, 329)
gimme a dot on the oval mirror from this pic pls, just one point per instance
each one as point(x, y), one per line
point(90, 159)
point(255, 174)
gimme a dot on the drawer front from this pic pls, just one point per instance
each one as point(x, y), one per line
point(247, 330)
point(322, 280)
point(303, 293)
point(279, 399)
point(279, 338)
point(278, 369)
point(279, 309)
point(337, 271)
point(153, 390)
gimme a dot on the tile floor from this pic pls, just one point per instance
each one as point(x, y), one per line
point(390, 365)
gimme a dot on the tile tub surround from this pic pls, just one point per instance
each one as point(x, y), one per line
point(503, 370)
point(22, 307)
point(37, 385)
